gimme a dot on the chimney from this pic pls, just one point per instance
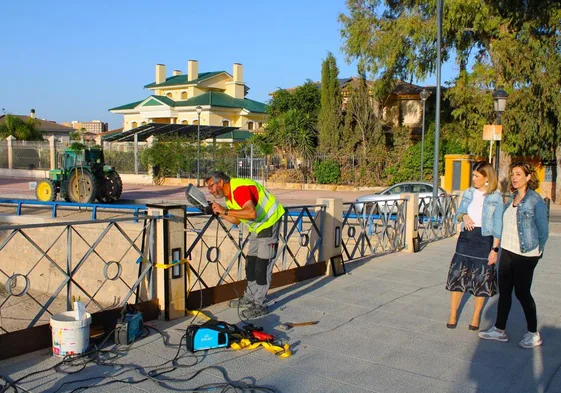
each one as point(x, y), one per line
point(160, 73)
point(238, 72)
point(176, 72)
point(32, 115)
point(192, 70)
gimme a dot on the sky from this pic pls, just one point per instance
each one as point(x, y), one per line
point(73, 60)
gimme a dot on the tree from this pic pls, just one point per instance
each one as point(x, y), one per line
point(24, 130)
point(171, 155)
point(307, 99)
point(293, 118)
point(282, 101)
point(363, 130)
point(512, 43)
point(329, 118)
point(304, 98)
point(294, 133)
point(261, 143)
point(472, 107)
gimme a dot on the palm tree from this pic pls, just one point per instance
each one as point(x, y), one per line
point(294, 132)
point(20, 129)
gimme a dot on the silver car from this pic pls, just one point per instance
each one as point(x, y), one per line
point(393, 193)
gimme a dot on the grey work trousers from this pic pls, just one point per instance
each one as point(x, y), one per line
point(260, 262)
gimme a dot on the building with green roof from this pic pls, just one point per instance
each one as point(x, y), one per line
point(220, 97)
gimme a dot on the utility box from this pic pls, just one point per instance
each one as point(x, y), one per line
point(457, 172)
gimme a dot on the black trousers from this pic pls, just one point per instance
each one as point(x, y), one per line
point(516, 271)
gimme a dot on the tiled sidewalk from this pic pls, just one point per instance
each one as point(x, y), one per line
point(381, 329)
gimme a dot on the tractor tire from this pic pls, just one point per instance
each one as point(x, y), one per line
point(45, 190)
point(111, 188)
point(82, 186)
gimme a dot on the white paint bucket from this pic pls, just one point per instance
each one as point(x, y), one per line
point(70, 337)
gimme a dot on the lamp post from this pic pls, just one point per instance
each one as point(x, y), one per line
point(199, 109)
point(499, 101)
point(435, 174)
point(424, 95)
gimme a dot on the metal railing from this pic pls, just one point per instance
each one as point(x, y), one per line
point(31, 155)
point(45, 267)
point(373, 228)
point(18, 204)
point(106, 263)
point(218, 250)
point(436, 221)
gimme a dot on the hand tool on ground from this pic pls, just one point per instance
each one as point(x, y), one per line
point(290, 325)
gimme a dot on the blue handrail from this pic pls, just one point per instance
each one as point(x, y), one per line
point(139, 209)
point(54, 205)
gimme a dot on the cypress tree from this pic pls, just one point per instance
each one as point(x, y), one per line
point(329, 118)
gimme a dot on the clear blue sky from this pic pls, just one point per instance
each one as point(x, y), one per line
point(73, 60)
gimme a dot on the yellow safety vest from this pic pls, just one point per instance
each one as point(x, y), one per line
point(268, 209)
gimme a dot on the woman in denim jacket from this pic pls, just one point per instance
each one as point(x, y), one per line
point(473, 266)
point(525, 232)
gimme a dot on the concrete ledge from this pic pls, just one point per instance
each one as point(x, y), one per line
point(129, 178)
point(318, 187)
point(24, 173)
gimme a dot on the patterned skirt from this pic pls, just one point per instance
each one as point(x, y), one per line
point(469, 271)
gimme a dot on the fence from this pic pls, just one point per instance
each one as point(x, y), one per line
point(14, 154)
point(217, 250)
point(3, 154)
point(31, 155)
point(436, 221)
point(126, 157)
point(45, 267)
point(373, 228)
point(107, 263)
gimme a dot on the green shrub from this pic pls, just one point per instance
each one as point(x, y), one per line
point(327, 172)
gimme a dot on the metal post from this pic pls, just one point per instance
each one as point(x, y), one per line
point(499, 104)
point(439, 7)
point(423, 142)
point(69, 300)
point(198, 148)
point(136, 154)
point(251, 161)
point(498, 147)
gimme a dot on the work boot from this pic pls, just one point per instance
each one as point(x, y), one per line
point(241, 302)
point(255, 311)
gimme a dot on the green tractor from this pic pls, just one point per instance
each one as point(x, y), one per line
point(82, 178)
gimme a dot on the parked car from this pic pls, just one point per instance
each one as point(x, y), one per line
point(394, 192)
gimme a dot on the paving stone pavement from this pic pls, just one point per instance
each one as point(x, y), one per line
point(381, 329)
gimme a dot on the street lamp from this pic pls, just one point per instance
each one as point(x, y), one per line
point(199, 109)
point(435, 175)
point(499, 98)
point(424, 95)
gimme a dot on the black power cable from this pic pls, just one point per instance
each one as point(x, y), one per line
point(156, 374)
point(106, 358)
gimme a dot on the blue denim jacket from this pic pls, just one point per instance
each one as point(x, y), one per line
point(531, 217)
point(492, 218)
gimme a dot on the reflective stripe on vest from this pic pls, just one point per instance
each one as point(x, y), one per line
point(268, 210)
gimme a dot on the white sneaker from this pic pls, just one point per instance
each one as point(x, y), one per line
point(493, 334)
point(531, 340)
